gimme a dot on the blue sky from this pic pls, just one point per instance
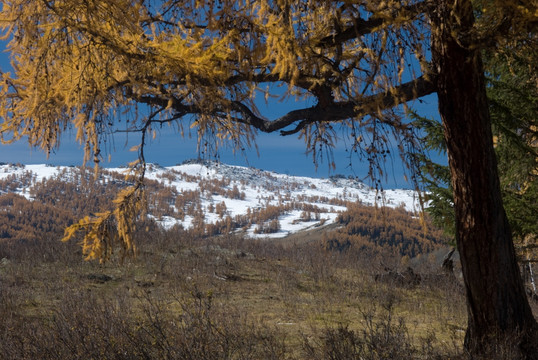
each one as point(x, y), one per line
point(276, 153)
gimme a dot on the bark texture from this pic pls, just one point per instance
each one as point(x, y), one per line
point(498, 310)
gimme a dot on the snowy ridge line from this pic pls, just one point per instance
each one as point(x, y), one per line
point(309, 202)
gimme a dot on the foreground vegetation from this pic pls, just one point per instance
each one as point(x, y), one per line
point(224, 298)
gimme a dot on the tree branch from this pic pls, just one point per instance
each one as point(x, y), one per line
point(338, 111)
point(361, 27)
point(329, 111)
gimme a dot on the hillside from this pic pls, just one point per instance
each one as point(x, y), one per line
point(207, 284)
point(206, 198)
point(221, 297)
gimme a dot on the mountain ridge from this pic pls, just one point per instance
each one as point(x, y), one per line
point(284, 203)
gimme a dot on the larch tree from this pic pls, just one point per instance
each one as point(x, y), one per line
point(513, 102)
point(102, 65)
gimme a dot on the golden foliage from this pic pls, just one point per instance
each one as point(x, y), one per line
point(81, 64)
point(91, 65)
point(106, 230)
point(380, 231)
point(28, 221)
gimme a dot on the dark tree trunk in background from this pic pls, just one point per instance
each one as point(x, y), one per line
point(498, 308)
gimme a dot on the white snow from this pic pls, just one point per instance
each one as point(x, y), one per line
point(260, 188)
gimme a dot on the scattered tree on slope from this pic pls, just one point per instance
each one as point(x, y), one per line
point(393, 231)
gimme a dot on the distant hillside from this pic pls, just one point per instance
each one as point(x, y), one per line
point(394, 231)
point(206, 198)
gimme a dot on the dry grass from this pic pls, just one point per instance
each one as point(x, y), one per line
point(223, 298)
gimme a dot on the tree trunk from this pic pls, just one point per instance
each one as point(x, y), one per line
point(499, 315)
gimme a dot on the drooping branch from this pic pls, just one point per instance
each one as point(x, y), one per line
point(338, 111)
point(328, 112)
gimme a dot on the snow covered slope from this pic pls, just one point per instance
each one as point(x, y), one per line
point(265, 204)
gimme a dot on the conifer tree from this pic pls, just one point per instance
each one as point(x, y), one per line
point(513, 102)
point(190, 63)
